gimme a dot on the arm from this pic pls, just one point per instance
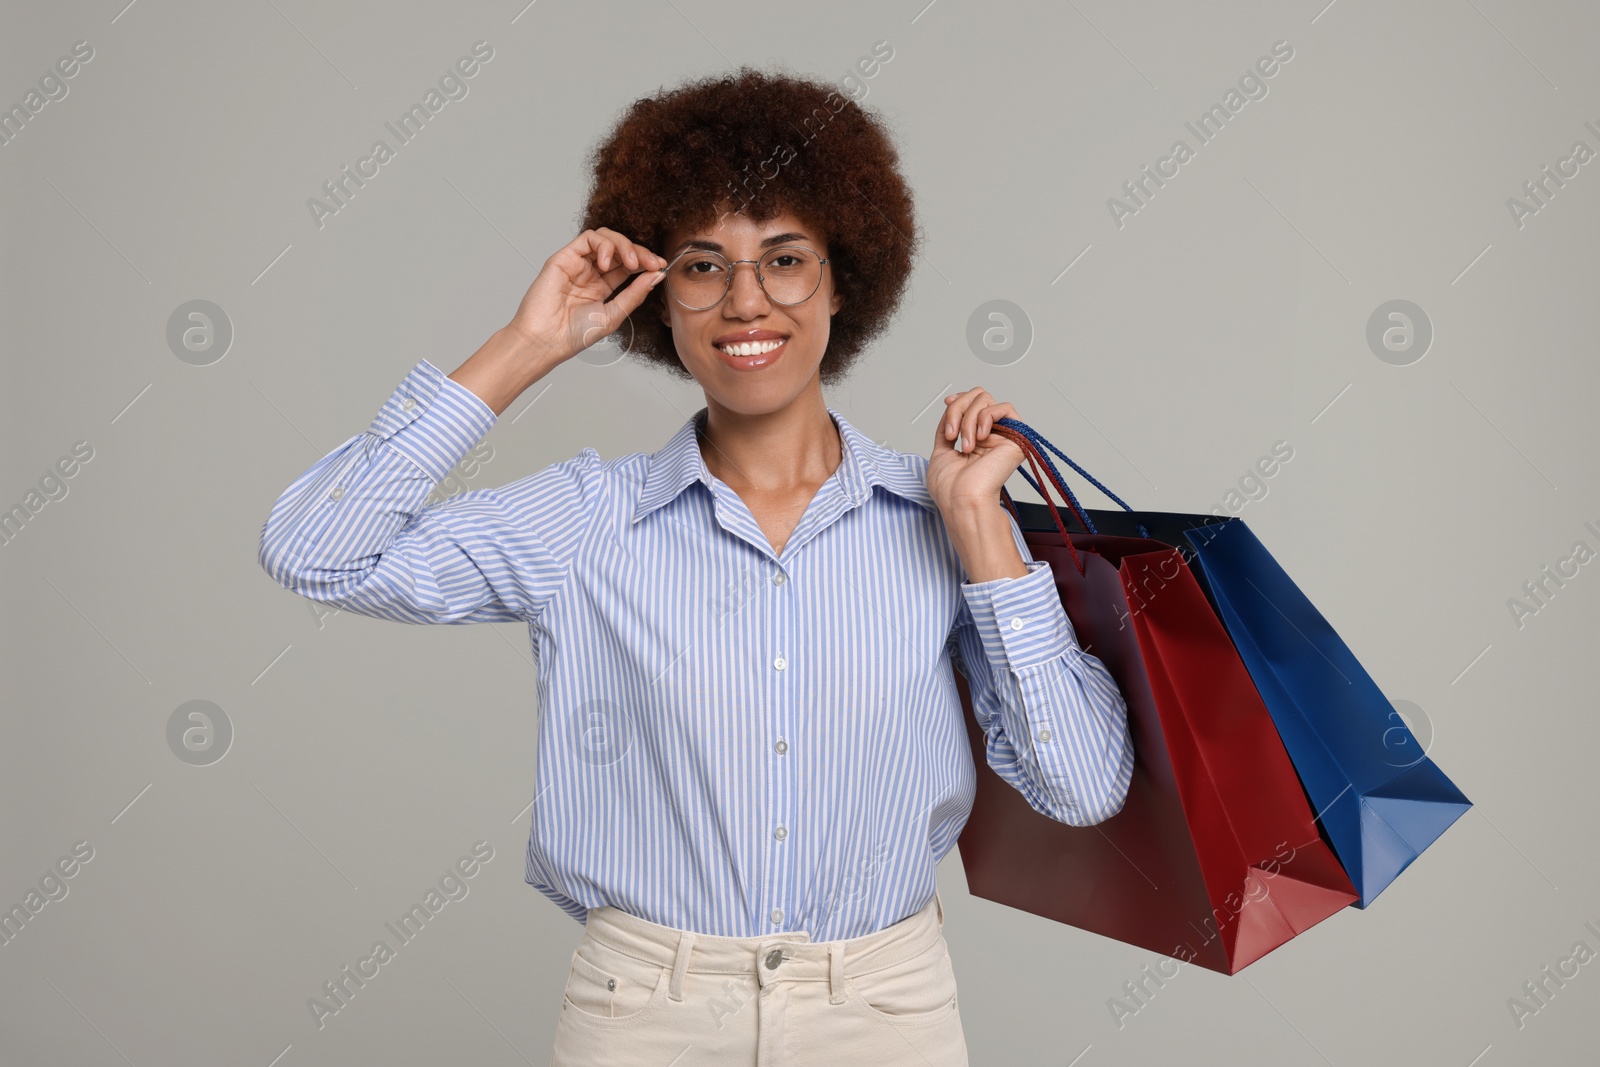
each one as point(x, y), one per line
point(1055, 721)
point(353, 530)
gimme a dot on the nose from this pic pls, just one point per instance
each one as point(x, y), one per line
point(746, 298)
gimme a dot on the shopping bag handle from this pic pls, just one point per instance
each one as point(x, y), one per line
point(1040, 444)
point(1031, 454)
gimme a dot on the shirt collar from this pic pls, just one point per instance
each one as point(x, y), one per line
point(865, 463)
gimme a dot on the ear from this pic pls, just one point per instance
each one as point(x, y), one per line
point(835, 303)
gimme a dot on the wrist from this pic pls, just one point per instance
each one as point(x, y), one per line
point(980, 531)
point(977, 515)
point(503, 367)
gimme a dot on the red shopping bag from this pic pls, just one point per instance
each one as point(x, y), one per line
point(1215, 858)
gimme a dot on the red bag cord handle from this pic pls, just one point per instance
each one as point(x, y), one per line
point(1031, 453)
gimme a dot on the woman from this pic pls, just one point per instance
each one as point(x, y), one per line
point(752, 754)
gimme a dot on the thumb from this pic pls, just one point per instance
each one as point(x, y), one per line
point(628, 300)
point(595, 321)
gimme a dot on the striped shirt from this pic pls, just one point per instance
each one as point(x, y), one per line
point(731, 740)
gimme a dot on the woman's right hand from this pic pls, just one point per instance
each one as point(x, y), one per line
point(565, 309)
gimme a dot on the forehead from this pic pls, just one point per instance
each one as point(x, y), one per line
point(737, 230)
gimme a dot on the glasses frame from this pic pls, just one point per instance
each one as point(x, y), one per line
point(756, 266)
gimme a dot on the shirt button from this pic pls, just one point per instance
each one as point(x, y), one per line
point(777, 915)
point(1016, 624)
point(779, 578)
point(338, 491)
point(780, 663)
point(409, 404)
point(780, 833)
point(774, 957)
point(1044, 733)
point(781, 747)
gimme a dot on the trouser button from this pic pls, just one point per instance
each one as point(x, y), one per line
point(774, 957)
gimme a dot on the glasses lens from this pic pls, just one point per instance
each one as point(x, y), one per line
point(790, 274)
point(698, 279)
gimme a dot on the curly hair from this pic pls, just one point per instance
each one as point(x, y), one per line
point(761, 143)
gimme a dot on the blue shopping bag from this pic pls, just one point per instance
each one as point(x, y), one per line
point(1380, 800)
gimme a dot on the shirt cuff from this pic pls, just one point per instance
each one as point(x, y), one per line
point(432, 420)
point(1021, 621)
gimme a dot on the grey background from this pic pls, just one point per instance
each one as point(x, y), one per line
point(1228, 314)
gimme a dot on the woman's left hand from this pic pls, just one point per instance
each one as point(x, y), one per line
point(972, 477)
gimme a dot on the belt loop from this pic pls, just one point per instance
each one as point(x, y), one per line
point(681, 963)
point(835, 972)
point(939, 907)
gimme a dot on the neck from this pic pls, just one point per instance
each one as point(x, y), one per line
point(775, 451)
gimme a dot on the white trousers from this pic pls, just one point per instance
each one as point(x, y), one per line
point(639, 993)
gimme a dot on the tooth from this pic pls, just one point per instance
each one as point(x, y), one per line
point(750, 348)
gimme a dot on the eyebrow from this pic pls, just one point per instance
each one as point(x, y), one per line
point(712, 246)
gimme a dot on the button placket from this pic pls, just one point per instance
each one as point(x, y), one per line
point(781, 786)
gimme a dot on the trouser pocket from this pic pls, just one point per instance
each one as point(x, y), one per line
point(919, 990)
point(608, 987)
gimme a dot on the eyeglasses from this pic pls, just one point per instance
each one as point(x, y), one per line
point(699, 279)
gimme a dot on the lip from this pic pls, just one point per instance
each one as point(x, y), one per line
point(748, 335)
point(747, 363)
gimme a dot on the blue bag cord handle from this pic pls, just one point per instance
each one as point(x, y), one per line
point(1038, 440)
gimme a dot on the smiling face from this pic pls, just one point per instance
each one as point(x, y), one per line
point(751, 355)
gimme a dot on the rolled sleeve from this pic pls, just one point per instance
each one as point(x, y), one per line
point(1020, 620)
point(356, 530)
point(1055, 719)
point(432, 420)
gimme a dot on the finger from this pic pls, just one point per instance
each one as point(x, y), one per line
point(969, 416)
point(601, 248)
point(628, 300)
point(597, 320)
point(624, 250)
point(991, 415)
point(618, 274)
point(956, 405)
point(943, 442)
